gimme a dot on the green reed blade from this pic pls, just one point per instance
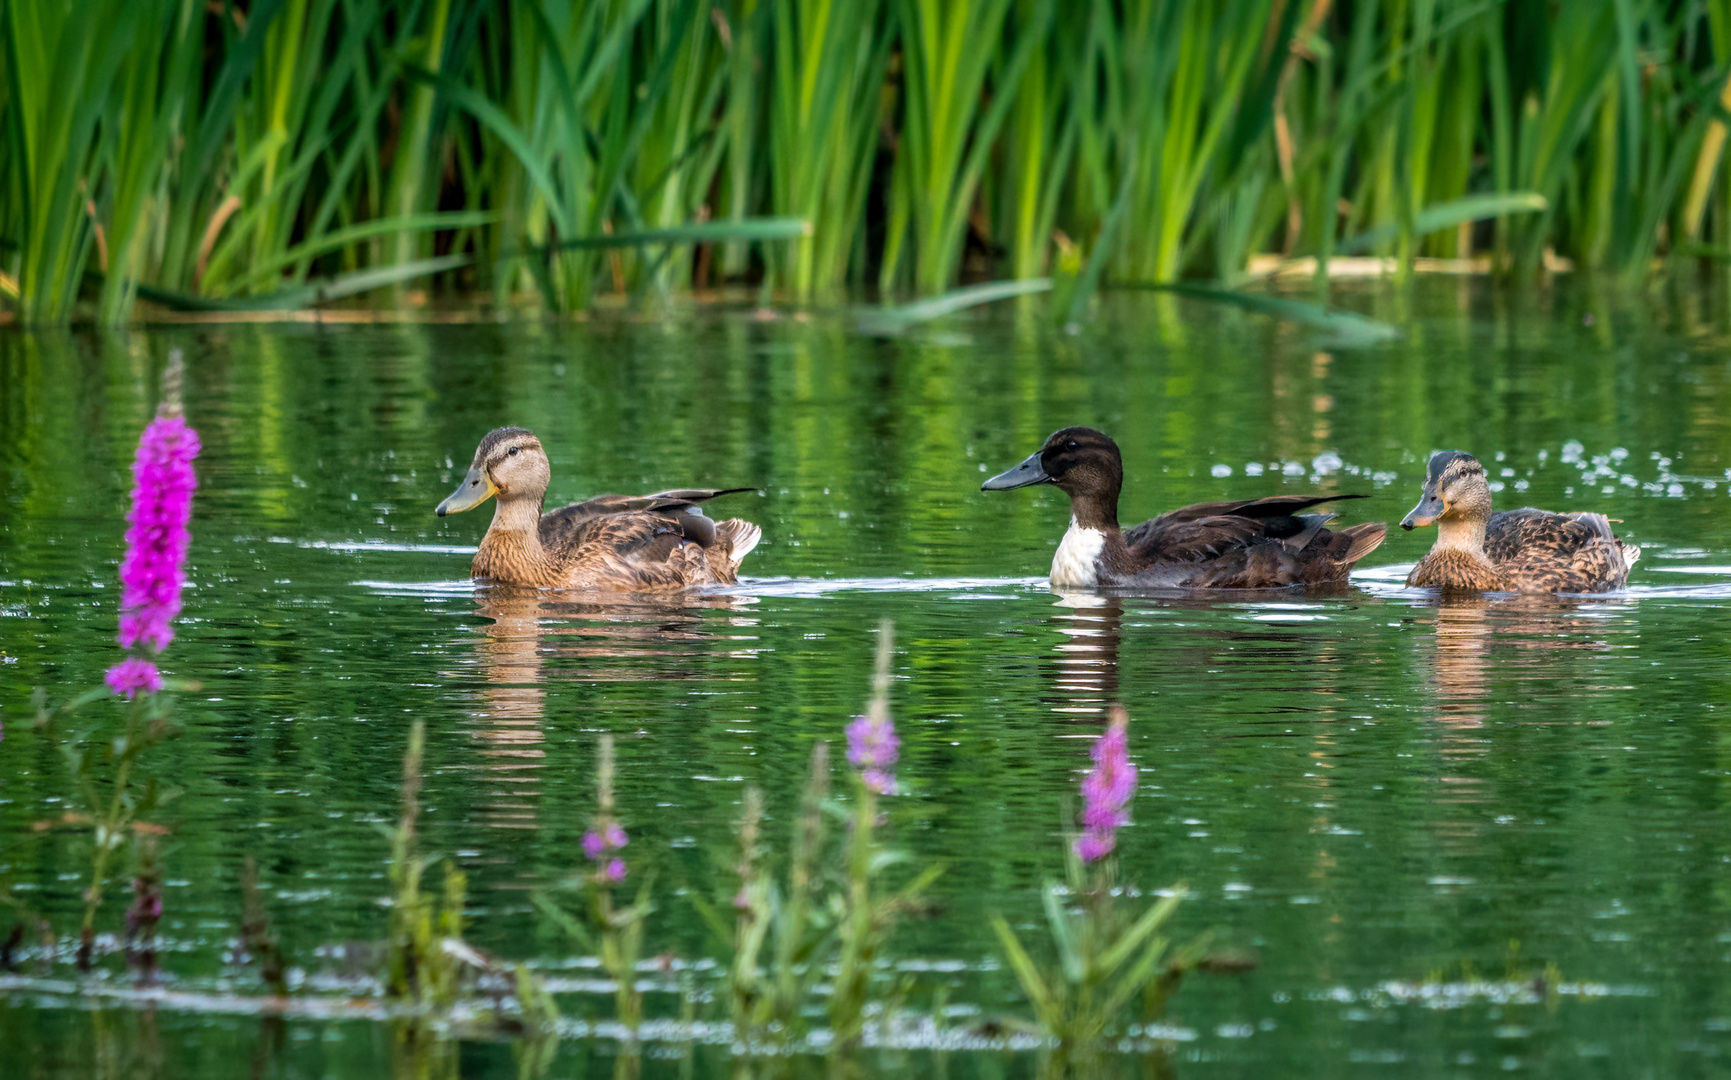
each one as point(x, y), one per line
point(337, 239)
point(1448, 215)
point(895, 320)
point(708, 232)
point(1344, 327)
point(311, 293)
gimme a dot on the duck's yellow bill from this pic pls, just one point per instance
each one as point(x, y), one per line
point(476, 488)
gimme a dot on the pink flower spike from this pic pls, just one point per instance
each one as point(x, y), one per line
point(593, 846)
point(151, 574)
point(872, 747)
point(1107, 789)
point(132, 675)
point(615, 871)
point(1095, 844)
point(872, 744)
point(615, 835)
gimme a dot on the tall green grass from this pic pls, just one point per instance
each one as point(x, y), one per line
point(218, 155)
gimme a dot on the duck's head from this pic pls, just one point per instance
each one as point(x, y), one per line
point(1079, 460)
point(1455, 489)
point(509, 463)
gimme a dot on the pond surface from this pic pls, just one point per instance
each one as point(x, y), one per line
point(1459, 839)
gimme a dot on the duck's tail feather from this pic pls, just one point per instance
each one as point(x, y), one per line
point(1366, 538)
point(740, 537)
point(1313, 524)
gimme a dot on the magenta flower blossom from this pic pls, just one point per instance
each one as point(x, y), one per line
point(1106, 790)
point(132, 675)
point(599, 844)
point(151, 575)
point(872, 747)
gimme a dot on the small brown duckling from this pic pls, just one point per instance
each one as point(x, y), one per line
point(643, 542)
point(1530, 551)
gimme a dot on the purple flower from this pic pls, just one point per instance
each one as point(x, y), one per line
point(599, 842)
point(872, 747)
point(1095, 844)
point(132, 675)
point(1107, 789)
point(151, 575)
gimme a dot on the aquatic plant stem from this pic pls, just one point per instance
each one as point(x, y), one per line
point(108, 824)
point(620, 932)
point(859, 938)
point(801, 882)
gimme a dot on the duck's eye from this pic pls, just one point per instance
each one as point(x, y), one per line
point(513, 451)
point(1071, 445)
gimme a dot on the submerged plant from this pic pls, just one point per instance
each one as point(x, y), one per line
point(1107, 955)
point(257, 940)
point(613, 932)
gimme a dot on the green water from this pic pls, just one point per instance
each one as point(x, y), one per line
point(1409, 813)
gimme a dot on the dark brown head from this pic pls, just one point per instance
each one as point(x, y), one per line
point(1082, 462)
point(509, 463)
point(1455, 488)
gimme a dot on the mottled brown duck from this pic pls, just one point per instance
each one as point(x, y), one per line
point(653, 542)
point(1251, 544)
point(1528, 551)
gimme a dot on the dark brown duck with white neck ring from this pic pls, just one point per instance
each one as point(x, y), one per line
point(1530, 551)
point(1252, 544)
point(653, 542)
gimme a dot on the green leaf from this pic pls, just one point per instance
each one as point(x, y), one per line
point(895, 320)
point(313, 292)
point(1064, 936)
point(1135, 978)
point(337, 239)
point(575, 929)
point(1344, 327)
point(712, 918)
point(1033, 983)
point(707, 232)
point(1132, 939)
point(920, 884)
point(1447, 215)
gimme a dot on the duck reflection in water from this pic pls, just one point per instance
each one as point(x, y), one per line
point(1495, 653)
point(1083, 668)
point(535, 637)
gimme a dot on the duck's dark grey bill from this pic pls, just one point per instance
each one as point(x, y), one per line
point(1429, 508)
point(476, 488)
point(1028, 472)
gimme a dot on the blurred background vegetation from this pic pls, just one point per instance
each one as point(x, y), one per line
point(202, 153)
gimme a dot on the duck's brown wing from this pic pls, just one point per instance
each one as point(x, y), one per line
point(634, 550)
point(1254, 544)
point(1204, 531)
point(1544, 552)
point(679, 505)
